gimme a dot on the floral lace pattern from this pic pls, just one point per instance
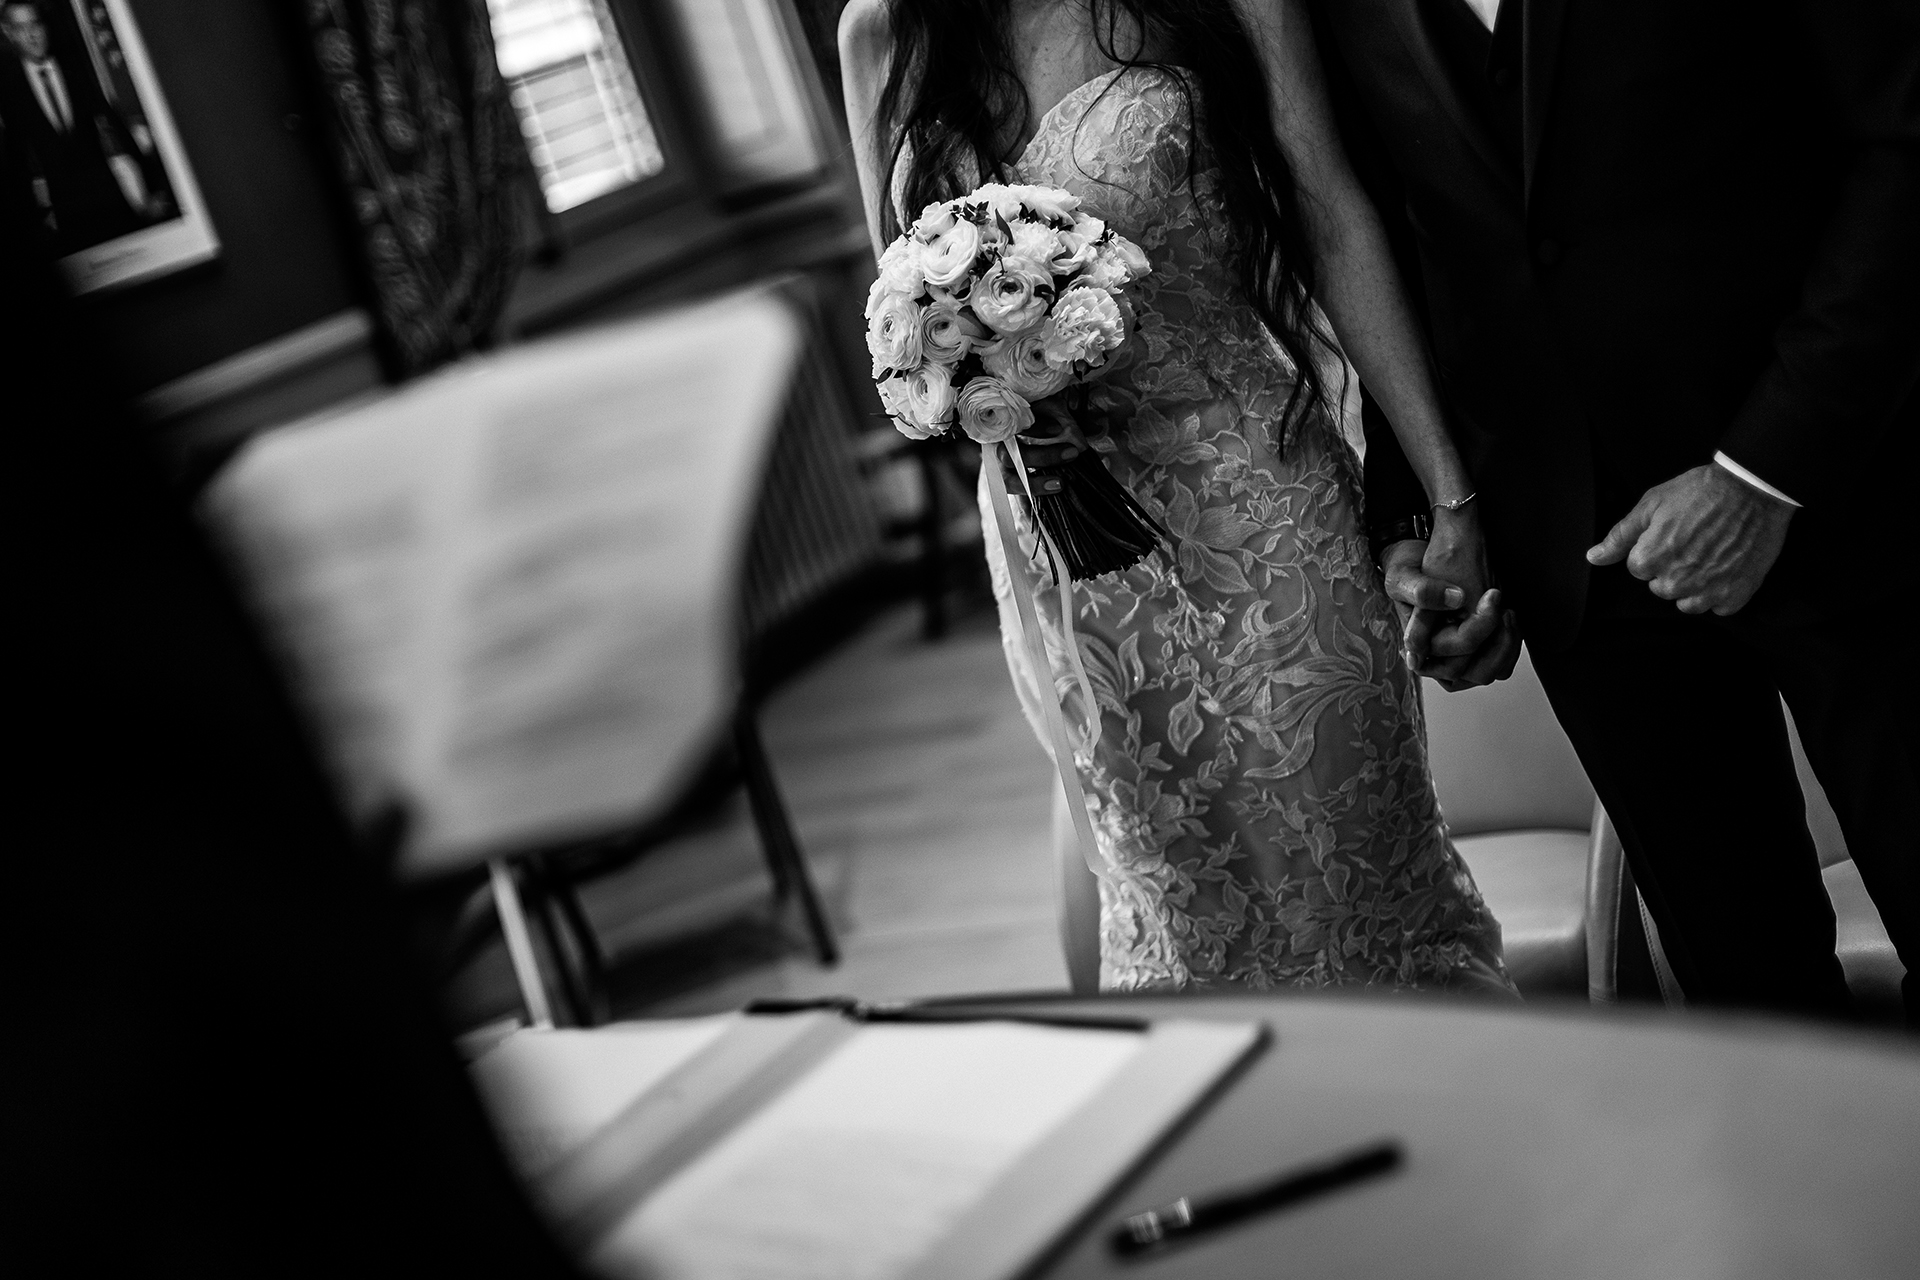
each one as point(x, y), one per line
point(1260, 791)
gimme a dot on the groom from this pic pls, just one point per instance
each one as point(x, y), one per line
point(1668, 253)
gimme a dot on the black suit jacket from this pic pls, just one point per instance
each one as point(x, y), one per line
point(1711, 241)
point(87, 200)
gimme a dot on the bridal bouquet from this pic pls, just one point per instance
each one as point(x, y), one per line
point(996, 300)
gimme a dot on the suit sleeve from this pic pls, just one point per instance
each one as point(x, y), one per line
point(1848, 358)
point(1391, 489)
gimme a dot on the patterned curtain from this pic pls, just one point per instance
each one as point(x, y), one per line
point(430, 151)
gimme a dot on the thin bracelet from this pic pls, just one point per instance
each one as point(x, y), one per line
point(1456, 504)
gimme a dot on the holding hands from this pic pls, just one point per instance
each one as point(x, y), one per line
point(1455, 628)
point(1703, 540)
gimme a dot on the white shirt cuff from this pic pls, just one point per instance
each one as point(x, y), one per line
point(1752, 479)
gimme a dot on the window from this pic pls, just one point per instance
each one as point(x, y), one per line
point(573, 87)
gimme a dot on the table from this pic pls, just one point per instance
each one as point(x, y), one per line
point(1544, 1144)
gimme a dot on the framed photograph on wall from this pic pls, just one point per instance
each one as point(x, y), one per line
point(83, 110)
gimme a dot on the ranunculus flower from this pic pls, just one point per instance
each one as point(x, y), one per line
point(893, 335)
point(949, 256)
point(1085, 224)
point(1085, 325)
point(1022, 364)
point(893, 397)
point(1011, 297)
point(1072, 253)
point(947, 332)
point(990, 411)
point(929, 394)
point(934, 220)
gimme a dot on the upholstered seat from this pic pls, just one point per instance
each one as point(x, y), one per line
point(1521, 812)
point(1523, 817)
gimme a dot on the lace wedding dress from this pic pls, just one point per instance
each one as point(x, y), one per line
point(1260, 792)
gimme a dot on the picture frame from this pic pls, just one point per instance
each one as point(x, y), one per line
point(118, 199)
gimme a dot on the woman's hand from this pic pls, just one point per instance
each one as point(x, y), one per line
point(1055, 437)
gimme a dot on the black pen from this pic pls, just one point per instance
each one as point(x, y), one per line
point(1183, 1218)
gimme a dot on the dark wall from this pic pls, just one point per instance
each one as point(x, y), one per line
point(232, 75)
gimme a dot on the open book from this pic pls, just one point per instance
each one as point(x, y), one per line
point(812, 1147)
point(507, 591)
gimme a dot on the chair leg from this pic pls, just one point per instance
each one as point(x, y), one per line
point(1605, 866)
point(513, 924)
point(777, 841)
point(1670, 993)
point(593, 961)
point(572, 986)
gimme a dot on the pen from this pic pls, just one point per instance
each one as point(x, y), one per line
point(1184, 1218)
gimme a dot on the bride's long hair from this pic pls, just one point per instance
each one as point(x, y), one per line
point(953, 106)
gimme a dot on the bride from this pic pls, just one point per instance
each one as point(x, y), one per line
point(1259, 789)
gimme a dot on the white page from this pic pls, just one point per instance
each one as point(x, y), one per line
point(867, 1162)
point(549, 1091)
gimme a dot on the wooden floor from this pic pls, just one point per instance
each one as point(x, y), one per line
point(921, 799)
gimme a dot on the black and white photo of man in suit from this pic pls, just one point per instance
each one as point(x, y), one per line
point(88, 184)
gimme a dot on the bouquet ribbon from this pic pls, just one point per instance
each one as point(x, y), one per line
point(1036, 648)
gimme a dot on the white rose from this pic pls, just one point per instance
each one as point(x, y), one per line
point(998, 198)
point(990, 411)
point(1050, 203)
point(1011, 297)
point(1084, 326)
point(1128, 255)
point(893, 335)
point(1072, 253)
point(947, 332)
point(934, 220)
point(929, 395)
point(893, 398)
point(1022, 364)
point(948, 257)
point(1085, 224)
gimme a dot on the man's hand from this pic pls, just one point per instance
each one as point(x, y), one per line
point(1454, 627)
point(1703, 540)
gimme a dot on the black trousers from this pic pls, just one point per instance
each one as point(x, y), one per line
point(1677, 720)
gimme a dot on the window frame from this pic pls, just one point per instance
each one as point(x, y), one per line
point(681, 173)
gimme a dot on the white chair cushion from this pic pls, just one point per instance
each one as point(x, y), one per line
point(1500, 760)
point(1535, 883)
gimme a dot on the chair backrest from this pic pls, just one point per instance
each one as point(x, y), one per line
point(1501, 761)
point(509, 591)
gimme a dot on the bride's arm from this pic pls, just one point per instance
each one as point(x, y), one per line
point(864, 47)
point(1361, 292)
point(1357, 284)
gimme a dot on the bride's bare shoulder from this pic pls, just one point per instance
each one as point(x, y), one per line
point(864, 36)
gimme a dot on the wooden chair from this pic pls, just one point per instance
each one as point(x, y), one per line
point(650, 442)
